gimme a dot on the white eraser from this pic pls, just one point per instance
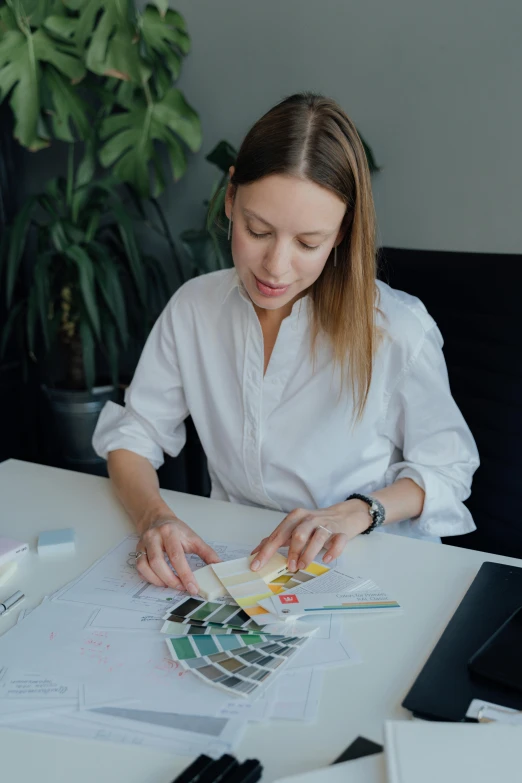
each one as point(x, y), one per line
point(210, 587)
point(56, 542)
point(7, 570)
point(11, 550)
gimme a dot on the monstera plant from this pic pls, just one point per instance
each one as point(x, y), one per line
point(66, 64)
point(100, 76)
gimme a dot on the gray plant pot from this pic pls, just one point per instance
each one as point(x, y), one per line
point(70, 426)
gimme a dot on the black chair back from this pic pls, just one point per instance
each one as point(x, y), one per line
point(475, 298)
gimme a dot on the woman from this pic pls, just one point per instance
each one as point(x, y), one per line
point(308, 381)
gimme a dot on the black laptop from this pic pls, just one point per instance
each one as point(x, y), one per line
point(445, 687)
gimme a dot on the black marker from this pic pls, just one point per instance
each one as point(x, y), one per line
point(192, 774)
point(249, 771)
point(218, 771)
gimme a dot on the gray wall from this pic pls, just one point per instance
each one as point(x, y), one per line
point(433, 86)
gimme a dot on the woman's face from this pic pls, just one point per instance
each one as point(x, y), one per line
point(283, 230)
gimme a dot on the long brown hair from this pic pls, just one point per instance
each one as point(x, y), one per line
point(310, 136)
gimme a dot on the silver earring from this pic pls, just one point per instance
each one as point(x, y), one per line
point(335, 255)
point(229, 228)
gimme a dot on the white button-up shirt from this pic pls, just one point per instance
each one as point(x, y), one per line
point(285, 439)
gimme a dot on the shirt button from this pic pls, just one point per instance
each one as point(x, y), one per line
point(253, 433)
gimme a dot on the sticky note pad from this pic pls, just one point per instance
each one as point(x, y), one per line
point(54, 542)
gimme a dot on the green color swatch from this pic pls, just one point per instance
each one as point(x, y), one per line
point(206, 645)
point(183, 647)
point(204, 611)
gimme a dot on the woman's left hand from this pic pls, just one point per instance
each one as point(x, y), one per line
point(306, 532)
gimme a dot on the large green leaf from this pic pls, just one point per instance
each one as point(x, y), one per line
point(87, 284)
point(165, 36)
point(113, 48)
point(61, 26)
point(86, 168)
point(93, 223)
point(83, 182)
point(58, 235)
point(163, 6)
point(7, 20)
point(68, 108)
point(126, 231)
point(43, 291)
point(36, 11)
point(21, 59)
point(110, 286)
point(131, 135)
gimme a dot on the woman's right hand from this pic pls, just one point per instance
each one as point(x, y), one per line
point(176, 539)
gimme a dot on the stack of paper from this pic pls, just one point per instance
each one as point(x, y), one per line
point(238, 645)
point(112, 657)
point(452, 752)
point(91, 662)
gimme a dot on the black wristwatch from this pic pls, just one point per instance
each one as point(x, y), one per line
point(375, 508)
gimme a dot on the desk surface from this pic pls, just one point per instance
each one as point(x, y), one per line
point(429, 580)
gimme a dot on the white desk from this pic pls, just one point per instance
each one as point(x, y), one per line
point(429, 580)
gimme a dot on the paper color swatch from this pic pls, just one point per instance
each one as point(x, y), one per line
point(197, 611)
point(245, 669)
point(248, 588)
point(184, 648)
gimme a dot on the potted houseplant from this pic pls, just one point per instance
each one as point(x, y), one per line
point(86, 293)
point(78, 290)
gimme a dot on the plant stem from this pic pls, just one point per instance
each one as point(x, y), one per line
point(168, 237)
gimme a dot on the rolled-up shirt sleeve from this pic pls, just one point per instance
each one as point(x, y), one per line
point(438, 450)
point(152, 421)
